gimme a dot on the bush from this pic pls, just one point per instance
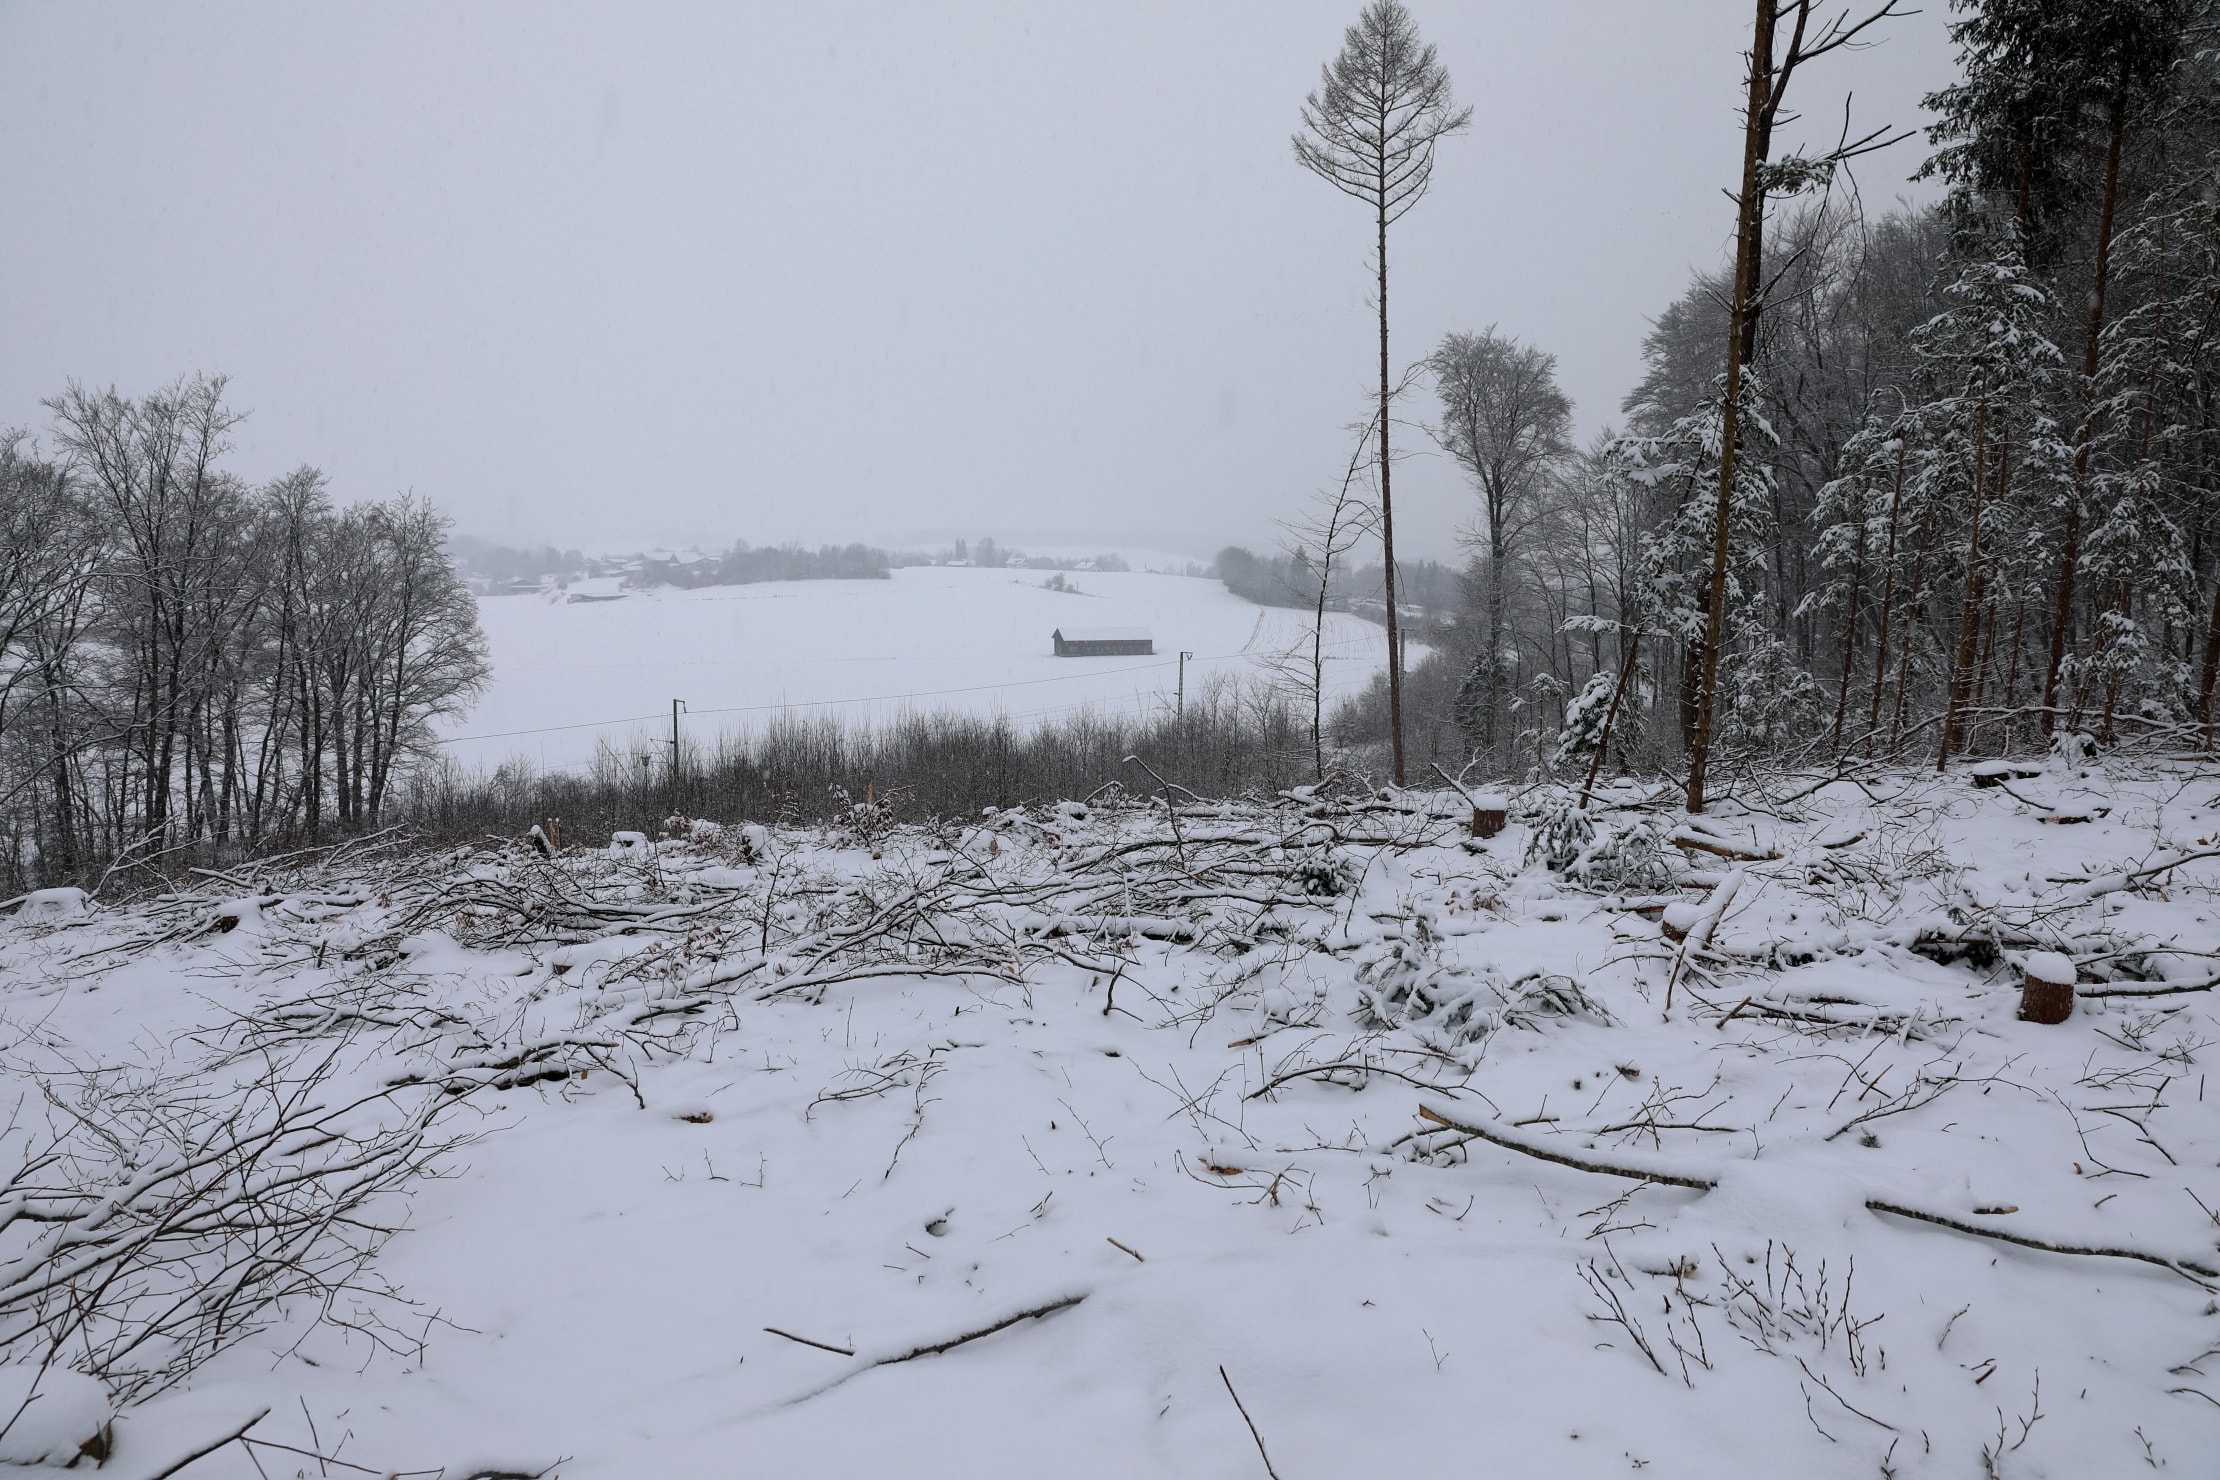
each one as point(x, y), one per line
point(1229, 743)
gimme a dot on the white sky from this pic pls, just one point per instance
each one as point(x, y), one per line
point(614, 275)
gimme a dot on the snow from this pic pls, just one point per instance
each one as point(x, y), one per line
point(60, 903)
point(2049, 966)
point(1171, 1119)
point(931, 637)
point(47, 1415)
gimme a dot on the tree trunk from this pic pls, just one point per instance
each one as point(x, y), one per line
point(2069, 553)
point(2212, 666)
point(1850, 629)
point(1969, 608)
point(1387, 520)
point(1888, 597)
point(1741, 340)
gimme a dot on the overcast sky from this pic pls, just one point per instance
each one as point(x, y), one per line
point(625, 274)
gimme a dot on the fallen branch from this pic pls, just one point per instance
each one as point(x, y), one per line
point(930, 1349)
point(2169, 990)
point(936, 1348)
point(2181, 1267)
point(1681, 837)
point(1501, 1135)
point(207, 1449)
point(1498, 1135)
point(844, 1351)
point(1244, 1411)
point(1361, 1068)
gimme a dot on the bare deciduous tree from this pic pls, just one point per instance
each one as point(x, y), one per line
point(1331, 528)
point(1506, 422)
point(189, 662)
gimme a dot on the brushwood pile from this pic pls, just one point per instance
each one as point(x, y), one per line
point(1144, 1134)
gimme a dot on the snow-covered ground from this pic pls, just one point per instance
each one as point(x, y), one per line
point(570, 674)
point(1315, 1103)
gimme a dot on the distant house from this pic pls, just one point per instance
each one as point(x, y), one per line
point(1104, 642)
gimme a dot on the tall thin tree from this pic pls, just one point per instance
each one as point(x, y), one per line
point(1369, 130)
point(1768, 74)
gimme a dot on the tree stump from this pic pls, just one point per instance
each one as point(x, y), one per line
point(2047, 995)
point(1489, 813)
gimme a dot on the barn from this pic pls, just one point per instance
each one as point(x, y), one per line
point(1103, 642)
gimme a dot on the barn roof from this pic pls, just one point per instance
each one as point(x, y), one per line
point(1103, 634)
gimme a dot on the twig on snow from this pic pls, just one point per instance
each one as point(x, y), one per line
point(1244, 1411)
point(1497, 1135)
point(207, 1449)
point(844, 1351)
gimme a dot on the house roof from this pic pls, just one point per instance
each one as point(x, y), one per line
point(1103, 634)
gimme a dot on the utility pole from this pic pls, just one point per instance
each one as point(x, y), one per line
point(1183, 657)
point(676, 706)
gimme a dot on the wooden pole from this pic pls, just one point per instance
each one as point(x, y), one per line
point(676, 706)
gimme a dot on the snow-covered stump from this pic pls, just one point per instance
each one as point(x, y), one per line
point(1489, 813)
point(2047, 995)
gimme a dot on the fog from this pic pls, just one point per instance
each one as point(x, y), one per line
point(614, 276)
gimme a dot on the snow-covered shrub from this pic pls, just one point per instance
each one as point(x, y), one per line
point(1629, 853)
point(866, 822)
point(1322, 875)
point(1450, 1008)
point(1562, 832)
point(1538, 996)
point(1582, 729)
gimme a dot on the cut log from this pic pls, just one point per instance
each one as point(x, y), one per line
point(1718, 847)
point(1489, 813)
point(2047, 995)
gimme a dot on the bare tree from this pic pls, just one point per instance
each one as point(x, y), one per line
point(189, 663)
point(46, 559)
point(1369, 130)
point(1507, 424)
point(174, 519)
point(1337, 520)
point(1768, 74)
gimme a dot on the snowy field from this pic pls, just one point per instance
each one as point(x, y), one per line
point(1022, 1149)
point(570, 674)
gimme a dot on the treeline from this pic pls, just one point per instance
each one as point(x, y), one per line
point(1974, 499)
point(501, 565)
point(1292, 578)
point(744, 564)
point(992, 556)
point(1225, 742)
point(192, 666)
